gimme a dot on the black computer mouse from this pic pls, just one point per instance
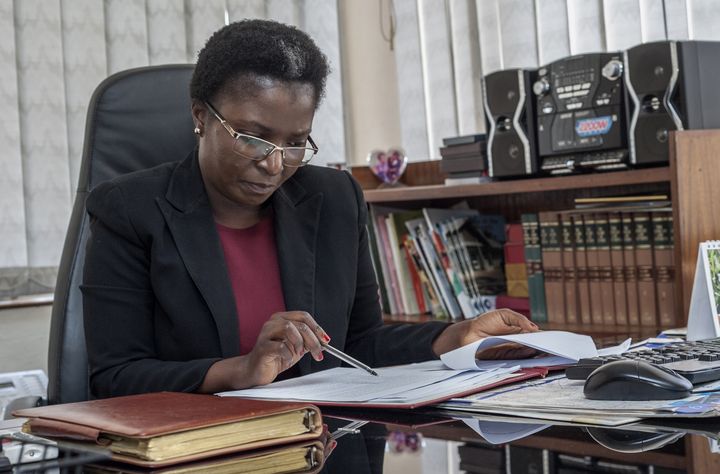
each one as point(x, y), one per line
point(631, 441)
point(635, 380)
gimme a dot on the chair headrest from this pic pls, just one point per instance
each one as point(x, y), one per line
point(137, 119)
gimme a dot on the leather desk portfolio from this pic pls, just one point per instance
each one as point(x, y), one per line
point(158, 429)
point(307, 458)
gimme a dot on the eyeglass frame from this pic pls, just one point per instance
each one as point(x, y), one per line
point(275, 147)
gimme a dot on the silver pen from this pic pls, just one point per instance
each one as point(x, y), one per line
point(347, 359)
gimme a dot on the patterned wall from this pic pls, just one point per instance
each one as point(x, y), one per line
point(53, 53)
point(484, 36)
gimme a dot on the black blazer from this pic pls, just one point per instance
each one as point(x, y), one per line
point(157, 301)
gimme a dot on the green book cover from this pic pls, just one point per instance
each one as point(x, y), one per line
point(533, 260)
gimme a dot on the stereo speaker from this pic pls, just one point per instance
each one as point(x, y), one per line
point(509, 110)
point(671, 85)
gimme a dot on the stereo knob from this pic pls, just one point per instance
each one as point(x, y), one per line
point(541, 86)
point(613, 70)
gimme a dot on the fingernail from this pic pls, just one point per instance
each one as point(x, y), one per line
point(320, 357)
point(325, 338)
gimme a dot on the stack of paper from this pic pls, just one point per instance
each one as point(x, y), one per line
point(557, 398)
point(407, 385)
point(413, 385)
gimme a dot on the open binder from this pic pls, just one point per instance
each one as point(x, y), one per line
point(705, 299)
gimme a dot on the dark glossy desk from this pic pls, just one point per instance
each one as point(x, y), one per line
point(432, 442)
point(421, 442)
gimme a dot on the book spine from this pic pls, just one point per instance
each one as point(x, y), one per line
point(436, 267)
point(430, 291)
point(581, 270)
point(602, 236)
point(519, 305)
point(533, 257)
point(414, 276)
point(407, 296)
point(662, 224)
point(569, 272)
point(470, 254)
point(617, 264)
point(593, 264)
point(630, 269)
point(437, 306)
point(517, 280)
point(381, 237)
point(516, 276)
point(391, 276)
point(448, 231)
point(644, 263)
point(550, 240)
point(482, 236)
point(453, 278)
point(377, 262)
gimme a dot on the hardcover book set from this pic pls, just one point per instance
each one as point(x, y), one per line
point(608, 261)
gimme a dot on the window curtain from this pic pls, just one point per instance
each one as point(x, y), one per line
point(53, 53)
point(443, 48)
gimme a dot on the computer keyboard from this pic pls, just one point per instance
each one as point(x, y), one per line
point(697, 361)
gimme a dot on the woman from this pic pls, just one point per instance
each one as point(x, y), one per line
point(229, 268)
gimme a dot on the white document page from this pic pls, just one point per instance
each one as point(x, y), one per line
point(615, 350)
point(497, 432)
point(564, 348)
point(400, 384)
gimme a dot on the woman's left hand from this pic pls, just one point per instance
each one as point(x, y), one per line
point(493, 323)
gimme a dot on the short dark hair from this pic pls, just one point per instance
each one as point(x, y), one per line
point(246, 48)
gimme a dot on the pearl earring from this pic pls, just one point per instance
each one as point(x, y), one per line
point(196, 131)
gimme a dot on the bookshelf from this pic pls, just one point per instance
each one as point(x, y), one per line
point(520, 186)
point(692, 179)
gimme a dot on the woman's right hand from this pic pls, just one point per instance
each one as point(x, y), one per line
point(283, 340)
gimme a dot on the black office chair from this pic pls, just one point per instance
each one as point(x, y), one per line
point(137, 119)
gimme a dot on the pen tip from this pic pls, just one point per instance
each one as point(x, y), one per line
point(374, 373)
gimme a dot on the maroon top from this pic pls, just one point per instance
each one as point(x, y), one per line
point(251, 258)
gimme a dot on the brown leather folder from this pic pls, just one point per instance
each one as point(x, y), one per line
point(158, 429)
point(307, 457)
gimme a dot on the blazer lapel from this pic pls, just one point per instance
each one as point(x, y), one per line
point(189, 217)
point(296, 226)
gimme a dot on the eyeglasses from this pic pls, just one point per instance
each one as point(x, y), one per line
point(257, 149)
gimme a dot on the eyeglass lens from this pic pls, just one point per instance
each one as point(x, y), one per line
point(258, 150)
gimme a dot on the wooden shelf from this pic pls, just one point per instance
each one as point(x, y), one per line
point(534, 185)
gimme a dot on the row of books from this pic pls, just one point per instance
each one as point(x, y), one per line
point(447, 262)
point(608, 266)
